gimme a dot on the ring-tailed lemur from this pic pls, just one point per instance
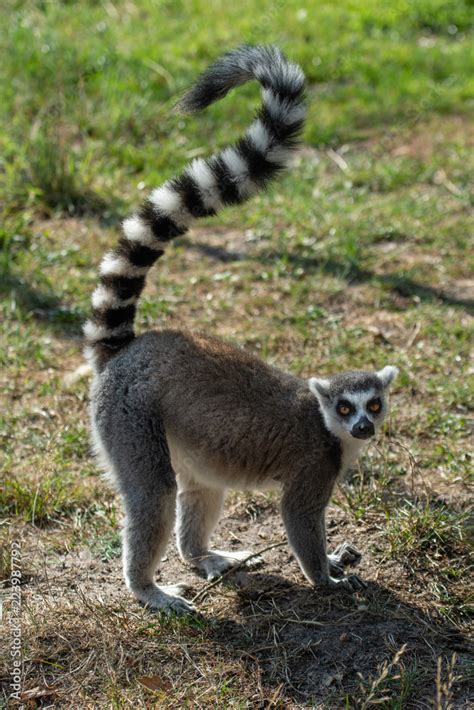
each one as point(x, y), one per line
point(181, 417)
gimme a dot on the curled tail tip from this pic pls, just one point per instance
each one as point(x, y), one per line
point(265, 63)
point(204, 92)
point(229, 177)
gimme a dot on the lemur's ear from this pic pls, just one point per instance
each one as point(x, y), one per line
point(387, 375)
point(319, 387)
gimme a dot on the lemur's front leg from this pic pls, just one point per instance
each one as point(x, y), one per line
point(306, 530)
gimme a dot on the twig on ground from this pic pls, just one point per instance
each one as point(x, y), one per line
point(413, 335)
point(338, 160)
point(227, 574)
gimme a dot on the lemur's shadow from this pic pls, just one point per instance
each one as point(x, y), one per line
point(47, 308)
point(44, 305)
point(312, 644)
point(305, 647)
point(42, 302)
point(344, 269)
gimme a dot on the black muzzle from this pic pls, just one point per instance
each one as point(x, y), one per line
point(363, 429)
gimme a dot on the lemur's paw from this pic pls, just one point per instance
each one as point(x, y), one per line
point(164, 599)
point(351, 583)
point(179, 607)
point(242, 556)
point(335, 569)
point(345, 555)
point(218, 562)
point(175, 590)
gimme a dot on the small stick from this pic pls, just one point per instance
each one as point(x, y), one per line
point(238, 566)
point(303, 622)
point(414, 335)
point(338, 160)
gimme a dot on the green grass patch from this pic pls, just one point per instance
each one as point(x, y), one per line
point(47, 496)
point(109, 78)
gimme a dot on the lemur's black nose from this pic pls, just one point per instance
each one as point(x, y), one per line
point(363, 429)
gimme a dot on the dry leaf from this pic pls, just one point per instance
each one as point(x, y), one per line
point(329, 678)
point(39, 691)
point(155, 683)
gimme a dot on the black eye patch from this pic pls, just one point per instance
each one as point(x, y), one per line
point(374, 405)
point(344, 408)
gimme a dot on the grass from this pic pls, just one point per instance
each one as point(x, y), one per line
point(359, 257)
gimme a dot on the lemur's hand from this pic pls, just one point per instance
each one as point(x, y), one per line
point(345, 555)
point(351, 583)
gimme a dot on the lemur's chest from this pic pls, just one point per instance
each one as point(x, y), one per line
point(350, 452)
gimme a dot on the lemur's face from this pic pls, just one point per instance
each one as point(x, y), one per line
point(354, 404)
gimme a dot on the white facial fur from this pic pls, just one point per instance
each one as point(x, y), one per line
point(341, 426)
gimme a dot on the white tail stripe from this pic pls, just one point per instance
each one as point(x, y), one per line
point(279, 155)
point(282, 109)
point(138, 232)
point(94, 332)
point(206, 182)
point(260, 136)
point(290, 72)
point(104, 297)
point(169, 203)
point(238, 167)
point(91, 356)
point(235, 163)
point(117, 265)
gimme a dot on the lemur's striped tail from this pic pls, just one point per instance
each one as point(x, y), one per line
point(206, 185)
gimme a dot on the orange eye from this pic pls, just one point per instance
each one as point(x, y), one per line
point(374, 406)
point(344, 410)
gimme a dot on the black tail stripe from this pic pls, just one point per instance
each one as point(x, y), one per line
point(117, 342)
point(191, 196)
point(283, 90)
point(137, 254)
point(284, 133)
point(124, 286)
point(261, 170)
point(225, 181)
point(113, 317)
point(162, 226)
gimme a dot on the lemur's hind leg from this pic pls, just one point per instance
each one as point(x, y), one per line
point(148, 525)
point(148, 486)
point(199, 508)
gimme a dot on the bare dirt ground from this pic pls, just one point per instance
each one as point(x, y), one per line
point(268, 631)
